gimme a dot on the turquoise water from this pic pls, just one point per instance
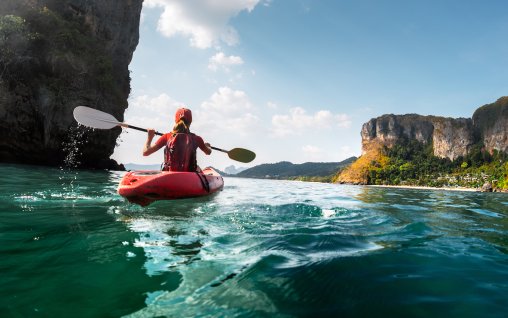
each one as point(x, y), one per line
point(71, 247)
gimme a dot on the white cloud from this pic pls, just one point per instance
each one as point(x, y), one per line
point(152, 112)
point(228, 101)
point(311, 149)
point(228, 109)
point(142, 18)
point(268, 3)
point(158, 104)
point(220, 60)
point(346, 152)
point(204, 22)
point(298, 121)
point(271, 105)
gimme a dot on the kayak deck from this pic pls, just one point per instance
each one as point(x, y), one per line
point(145, 186)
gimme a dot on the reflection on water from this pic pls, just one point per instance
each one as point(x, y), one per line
point(449, 213)
point(270, 251)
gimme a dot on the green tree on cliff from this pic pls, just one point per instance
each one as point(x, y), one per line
point(414, 163)
point(15, 41)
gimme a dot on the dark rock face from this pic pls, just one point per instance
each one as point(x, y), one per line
point(491, 121)
point(450, 137)
point(56, 55)
point(389, 129)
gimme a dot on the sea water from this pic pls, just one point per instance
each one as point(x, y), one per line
point(70, 246)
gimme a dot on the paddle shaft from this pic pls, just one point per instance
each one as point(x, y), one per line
point(218, 149)
point(138, 128)
point(160, 134)
point(238, 154)
point(94, 118)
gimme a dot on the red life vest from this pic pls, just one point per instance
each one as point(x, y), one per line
point(180, 153)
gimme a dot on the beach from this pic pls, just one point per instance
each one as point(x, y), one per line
point(427, 188)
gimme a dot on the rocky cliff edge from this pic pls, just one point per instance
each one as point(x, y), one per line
point(450, 138)
point(54, 56)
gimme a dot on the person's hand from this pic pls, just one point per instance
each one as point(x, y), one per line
point(151, 133)
point(208, 146)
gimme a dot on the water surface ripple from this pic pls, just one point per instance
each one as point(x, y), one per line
point(71, 247)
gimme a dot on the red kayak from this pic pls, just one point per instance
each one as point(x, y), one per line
point(144, 187)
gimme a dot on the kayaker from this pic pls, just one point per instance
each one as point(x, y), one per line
point(181, 144)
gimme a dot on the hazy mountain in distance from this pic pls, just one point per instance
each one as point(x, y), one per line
point(285, 169)
point(234, 170)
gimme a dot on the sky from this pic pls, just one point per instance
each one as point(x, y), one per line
point(294, 80)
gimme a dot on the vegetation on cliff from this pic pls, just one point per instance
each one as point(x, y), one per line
point(434, 151)
point(413, 163)
point(55, 55)
point(486, 116)
point(41, 46)
point(358, 171)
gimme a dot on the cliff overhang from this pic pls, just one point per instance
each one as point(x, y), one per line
point(54, 56)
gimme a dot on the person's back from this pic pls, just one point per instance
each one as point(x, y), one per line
point(180, 153)
point(181, 144)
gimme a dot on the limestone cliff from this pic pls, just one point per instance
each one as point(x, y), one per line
point(55, 55)
point(450, 138)
point(491, 122)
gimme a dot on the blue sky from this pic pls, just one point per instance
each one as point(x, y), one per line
point(295, 80)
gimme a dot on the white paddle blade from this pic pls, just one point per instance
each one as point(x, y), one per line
point(94, 118)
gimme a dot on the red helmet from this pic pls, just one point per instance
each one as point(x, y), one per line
point(184, 113)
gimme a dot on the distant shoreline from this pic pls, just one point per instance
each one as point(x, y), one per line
point(462, 189)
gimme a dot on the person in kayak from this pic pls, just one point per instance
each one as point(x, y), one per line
point(181, 144)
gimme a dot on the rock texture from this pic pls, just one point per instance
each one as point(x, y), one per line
point(389, 129)
point(450, 137)
point(491, 122)
point(54, 56)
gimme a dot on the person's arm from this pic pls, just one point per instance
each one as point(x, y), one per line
point(149, 149)
point(208, 148)
point(205, 147)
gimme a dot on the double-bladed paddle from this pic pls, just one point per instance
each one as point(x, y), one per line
point(94, 118)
